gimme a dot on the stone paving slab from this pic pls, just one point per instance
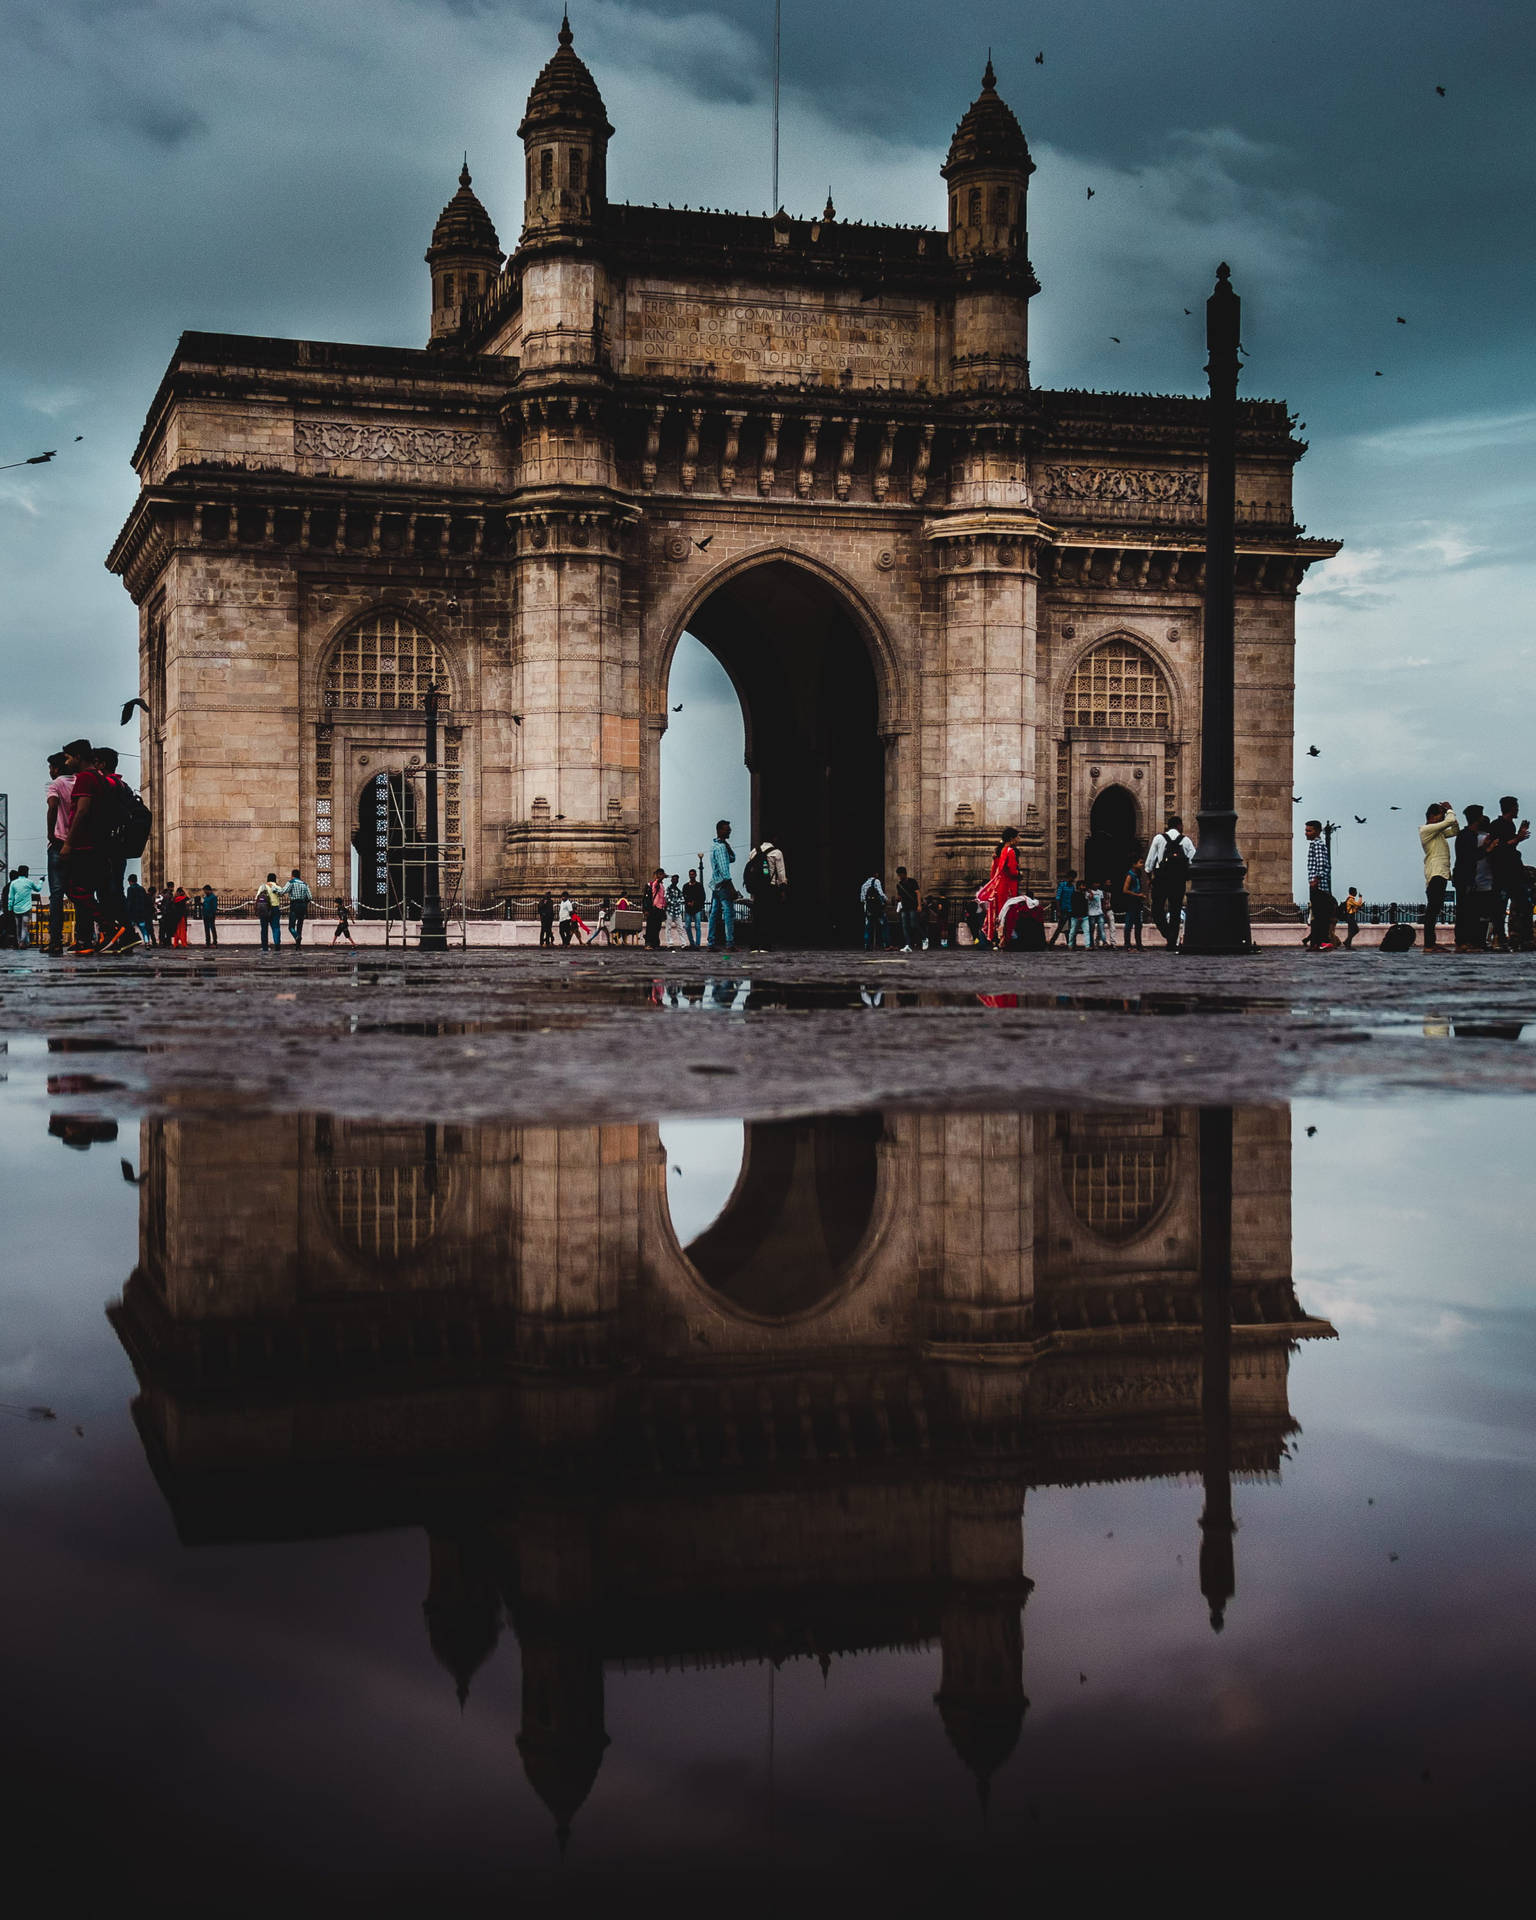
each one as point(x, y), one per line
point(583, 1035)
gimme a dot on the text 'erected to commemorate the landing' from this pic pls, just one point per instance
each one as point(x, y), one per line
point(750, 340)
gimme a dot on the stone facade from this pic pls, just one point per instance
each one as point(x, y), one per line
point(646, 421)
point(809, 1432)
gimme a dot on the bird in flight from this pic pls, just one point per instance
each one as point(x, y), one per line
point(128, 707)
point(1090, 193)
point(1440, 91)
point(1039, 59)
point(1402, 320)
point(1378, 373)
point(1186, 309)
point(1360, 818)
point(678, 708)
point(1313, 752)
point(1295, 799)
point(1394, 809)
point(1116, 338)
point(702, 544)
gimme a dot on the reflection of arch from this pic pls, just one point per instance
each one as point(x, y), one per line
point(385, 1191)
point(1117, 1174)
point(1118, 684)
point(797, 1217)
point(816, 680)
point(384, 662)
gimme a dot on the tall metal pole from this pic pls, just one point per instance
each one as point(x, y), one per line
point(777, 4)
point(1216, 912)
point(434, 935)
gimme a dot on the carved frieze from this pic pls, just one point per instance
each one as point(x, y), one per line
point(1151, 487)
point(405, 446)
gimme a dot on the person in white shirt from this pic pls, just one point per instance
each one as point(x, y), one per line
point(1167, 866)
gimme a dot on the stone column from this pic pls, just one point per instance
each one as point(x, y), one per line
point(984, 695)
point(576, 660)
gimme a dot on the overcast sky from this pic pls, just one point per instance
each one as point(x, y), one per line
point(275, 167)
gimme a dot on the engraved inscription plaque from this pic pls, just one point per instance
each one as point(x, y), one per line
point(775, 341)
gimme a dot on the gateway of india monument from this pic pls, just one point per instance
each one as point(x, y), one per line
point(950, 601)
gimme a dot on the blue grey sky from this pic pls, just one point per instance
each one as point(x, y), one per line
point(275, 166)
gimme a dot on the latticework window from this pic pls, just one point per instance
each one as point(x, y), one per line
point(385, 1213)
point(1117, 685)
point(385, 661)
point(1116, 1191)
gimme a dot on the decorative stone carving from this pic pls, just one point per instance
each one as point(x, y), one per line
point(920, 464)
point(690, 468)
point(770, 460)
point(883, 460)
point(885, 560)
point(844, 479)
point(1123, 486)
point(732, 450)
point(805, 478)
point(677, 546)
point(407, 446)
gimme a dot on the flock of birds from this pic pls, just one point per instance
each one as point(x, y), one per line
point(1314, 753)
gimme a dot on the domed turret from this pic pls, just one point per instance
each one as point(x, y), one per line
point(565, 133)
point(987, 173)
point(464, 256)
point(563, 1739)
point(463, 1612)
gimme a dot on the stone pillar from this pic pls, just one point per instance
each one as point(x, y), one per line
point(984, 694)
point(576, 658)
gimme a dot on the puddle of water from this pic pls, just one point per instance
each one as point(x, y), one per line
point(744, 1499)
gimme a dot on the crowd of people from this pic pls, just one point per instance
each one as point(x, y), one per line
point(96, 826)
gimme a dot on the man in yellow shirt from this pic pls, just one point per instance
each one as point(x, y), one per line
point(1437, 836)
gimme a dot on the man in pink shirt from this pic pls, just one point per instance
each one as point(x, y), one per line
point(59, 795)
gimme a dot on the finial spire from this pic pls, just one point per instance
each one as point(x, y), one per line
point(464, 171)
point(989, 78)
point(565, 36)
point(829, 212)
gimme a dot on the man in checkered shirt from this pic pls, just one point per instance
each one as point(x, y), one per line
point(1324, 908)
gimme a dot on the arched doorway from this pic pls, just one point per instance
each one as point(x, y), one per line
point(1112, 838)
point(386, 840)
point(802, 671)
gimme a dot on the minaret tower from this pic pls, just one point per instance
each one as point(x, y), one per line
point(464, 257)
point(987, 174)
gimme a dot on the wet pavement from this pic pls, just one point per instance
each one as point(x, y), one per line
point(565, 1432)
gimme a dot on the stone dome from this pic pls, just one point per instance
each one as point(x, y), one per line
point(464, 226)
point(990, 134)
point(565, 94)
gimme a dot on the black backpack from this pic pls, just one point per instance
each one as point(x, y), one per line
point(1175, 861)
point(127, 821)
point(1399, 939)
point(755, 874)
point(1079, 902)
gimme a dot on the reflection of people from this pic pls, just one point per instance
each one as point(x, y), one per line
point(81, 1131)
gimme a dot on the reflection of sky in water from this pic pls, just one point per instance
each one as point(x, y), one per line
point(277, 1706)
point(703, 1161)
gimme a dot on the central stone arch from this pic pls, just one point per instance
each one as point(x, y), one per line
point(818, 682)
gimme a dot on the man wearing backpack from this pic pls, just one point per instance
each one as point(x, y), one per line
point(82, 861)
point(299, 899)
point(1167, 864)
point(268, 902)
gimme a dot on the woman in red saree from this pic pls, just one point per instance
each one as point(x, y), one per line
point(1002, 884)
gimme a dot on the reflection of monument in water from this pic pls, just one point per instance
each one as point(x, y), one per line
point(809, 1434)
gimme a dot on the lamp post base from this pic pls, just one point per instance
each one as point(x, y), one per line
point(434, 934)
point(1216, 906)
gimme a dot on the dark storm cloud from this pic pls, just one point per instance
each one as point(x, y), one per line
point(275, 167)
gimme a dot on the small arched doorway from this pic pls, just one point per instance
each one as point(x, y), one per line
point(802, 671)
point(1113, 842)
point(387, 841)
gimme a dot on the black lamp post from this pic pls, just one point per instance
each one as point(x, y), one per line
point(1216, 912)
point(434, 935)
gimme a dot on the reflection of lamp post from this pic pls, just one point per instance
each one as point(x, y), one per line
point(434, 935)
point(1218, 1575)
point(1216, 911)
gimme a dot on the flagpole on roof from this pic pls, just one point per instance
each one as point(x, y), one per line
point(777, 9)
